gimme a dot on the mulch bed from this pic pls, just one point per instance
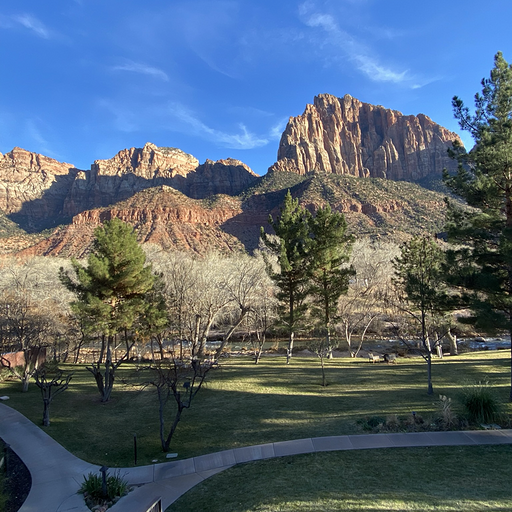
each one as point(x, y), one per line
point(15, 479)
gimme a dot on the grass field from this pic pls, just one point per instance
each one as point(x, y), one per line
point(441, 479)
point(245, 404)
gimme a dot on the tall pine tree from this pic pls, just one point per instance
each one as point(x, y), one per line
point(111, 292)
point(291, 249)
point(328, 273)
point(483, 264)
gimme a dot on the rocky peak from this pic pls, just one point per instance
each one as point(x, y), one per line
point(149, 162)
point(347, 136)
point(136, 169)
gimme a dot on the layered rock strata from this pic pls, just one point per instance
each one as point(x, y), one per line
point(347, 136)
point(33, 186)
point(38, 192)
point(161, 216)
point(136, 169)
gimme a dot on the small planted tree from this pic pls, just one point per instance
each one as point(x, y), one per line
point(177, 380)
point(110, 293)
point(51, 386)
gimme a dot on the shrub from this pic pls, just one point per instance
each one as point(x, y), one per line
point(480, 403)
point(373, 423)
point(92, 489)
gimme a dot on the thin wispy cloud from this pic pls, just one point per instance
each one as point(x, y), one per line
point(121, 117)
point(277, 130)
point(355, 51)
point(244, 139)
point(144, 69)
point(32, 23)
point(40, 142)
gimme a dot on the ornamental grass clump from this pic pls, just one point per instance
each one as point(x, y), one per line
point(92, 489)
point(448, 417)
point(480, 403)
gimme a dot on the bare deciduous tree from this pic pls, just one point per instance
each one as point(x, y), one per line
point(50, 387)
point(181, 380)
point(368, 291)
point(243, 283)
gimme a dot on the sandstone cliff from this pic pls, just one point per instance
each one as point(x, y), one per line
point(39, 192)
point(127, 173)
point(347, 136)
point(33, 186)
point(136, 169)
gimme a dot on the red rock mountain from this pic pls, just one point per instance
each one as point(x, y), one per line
point(136, 169)
point(322, 157)
point(34, 183)
point(161, 215)
point(347, 136)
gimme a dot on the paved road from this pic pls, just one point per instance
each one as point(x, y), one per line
point(57, 474)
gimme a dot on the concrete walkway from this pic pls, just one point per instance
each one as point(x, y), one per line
point(57, 474)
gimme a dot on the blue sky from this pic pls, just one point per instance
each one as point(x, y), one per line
point(83, 79)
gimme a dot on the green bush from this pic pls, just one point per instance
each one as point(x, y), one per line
point(480, 403)
point(92, 489)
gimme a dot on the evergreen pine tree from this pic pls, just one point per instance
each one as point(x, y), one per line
point(329, 276)
point(110, 294)
point(483, 264)
point(291, 249)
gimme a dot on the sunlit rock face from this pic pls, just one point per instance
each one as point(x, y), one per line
point(347, 136)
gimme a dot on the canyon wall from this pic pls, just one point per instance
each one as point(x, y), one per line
point(347, 136)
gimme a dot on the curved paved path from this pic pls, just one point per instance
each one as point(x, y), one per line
point(57, 474)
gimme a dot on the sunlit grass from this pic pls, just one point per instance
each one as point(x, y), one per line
point(244, 404)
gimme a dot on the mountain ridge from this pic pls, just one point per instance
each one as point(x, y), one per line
point(355, 156)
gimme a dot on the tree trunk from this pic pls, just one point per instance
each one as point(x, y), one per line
point(167, 443)
point(289, 350)
point(452, 338)
point(259, 350)
point(430, 390)
point(324, 381)
point(195, 340)
point(348, 338)
point(232, 329)
point(24, 382)
point(428, 348)
point(98, 377)
point(46, 412)
point(328, 341)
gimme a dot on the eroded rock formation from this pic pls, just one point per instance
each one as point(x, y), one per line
point(347, 136)
point(133, 170)
point(33, 186)
point(161, 215)
point(38, 191)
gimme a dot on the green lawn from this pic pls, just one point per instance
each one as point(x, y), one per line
point(440, 479)
point(245, 404)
